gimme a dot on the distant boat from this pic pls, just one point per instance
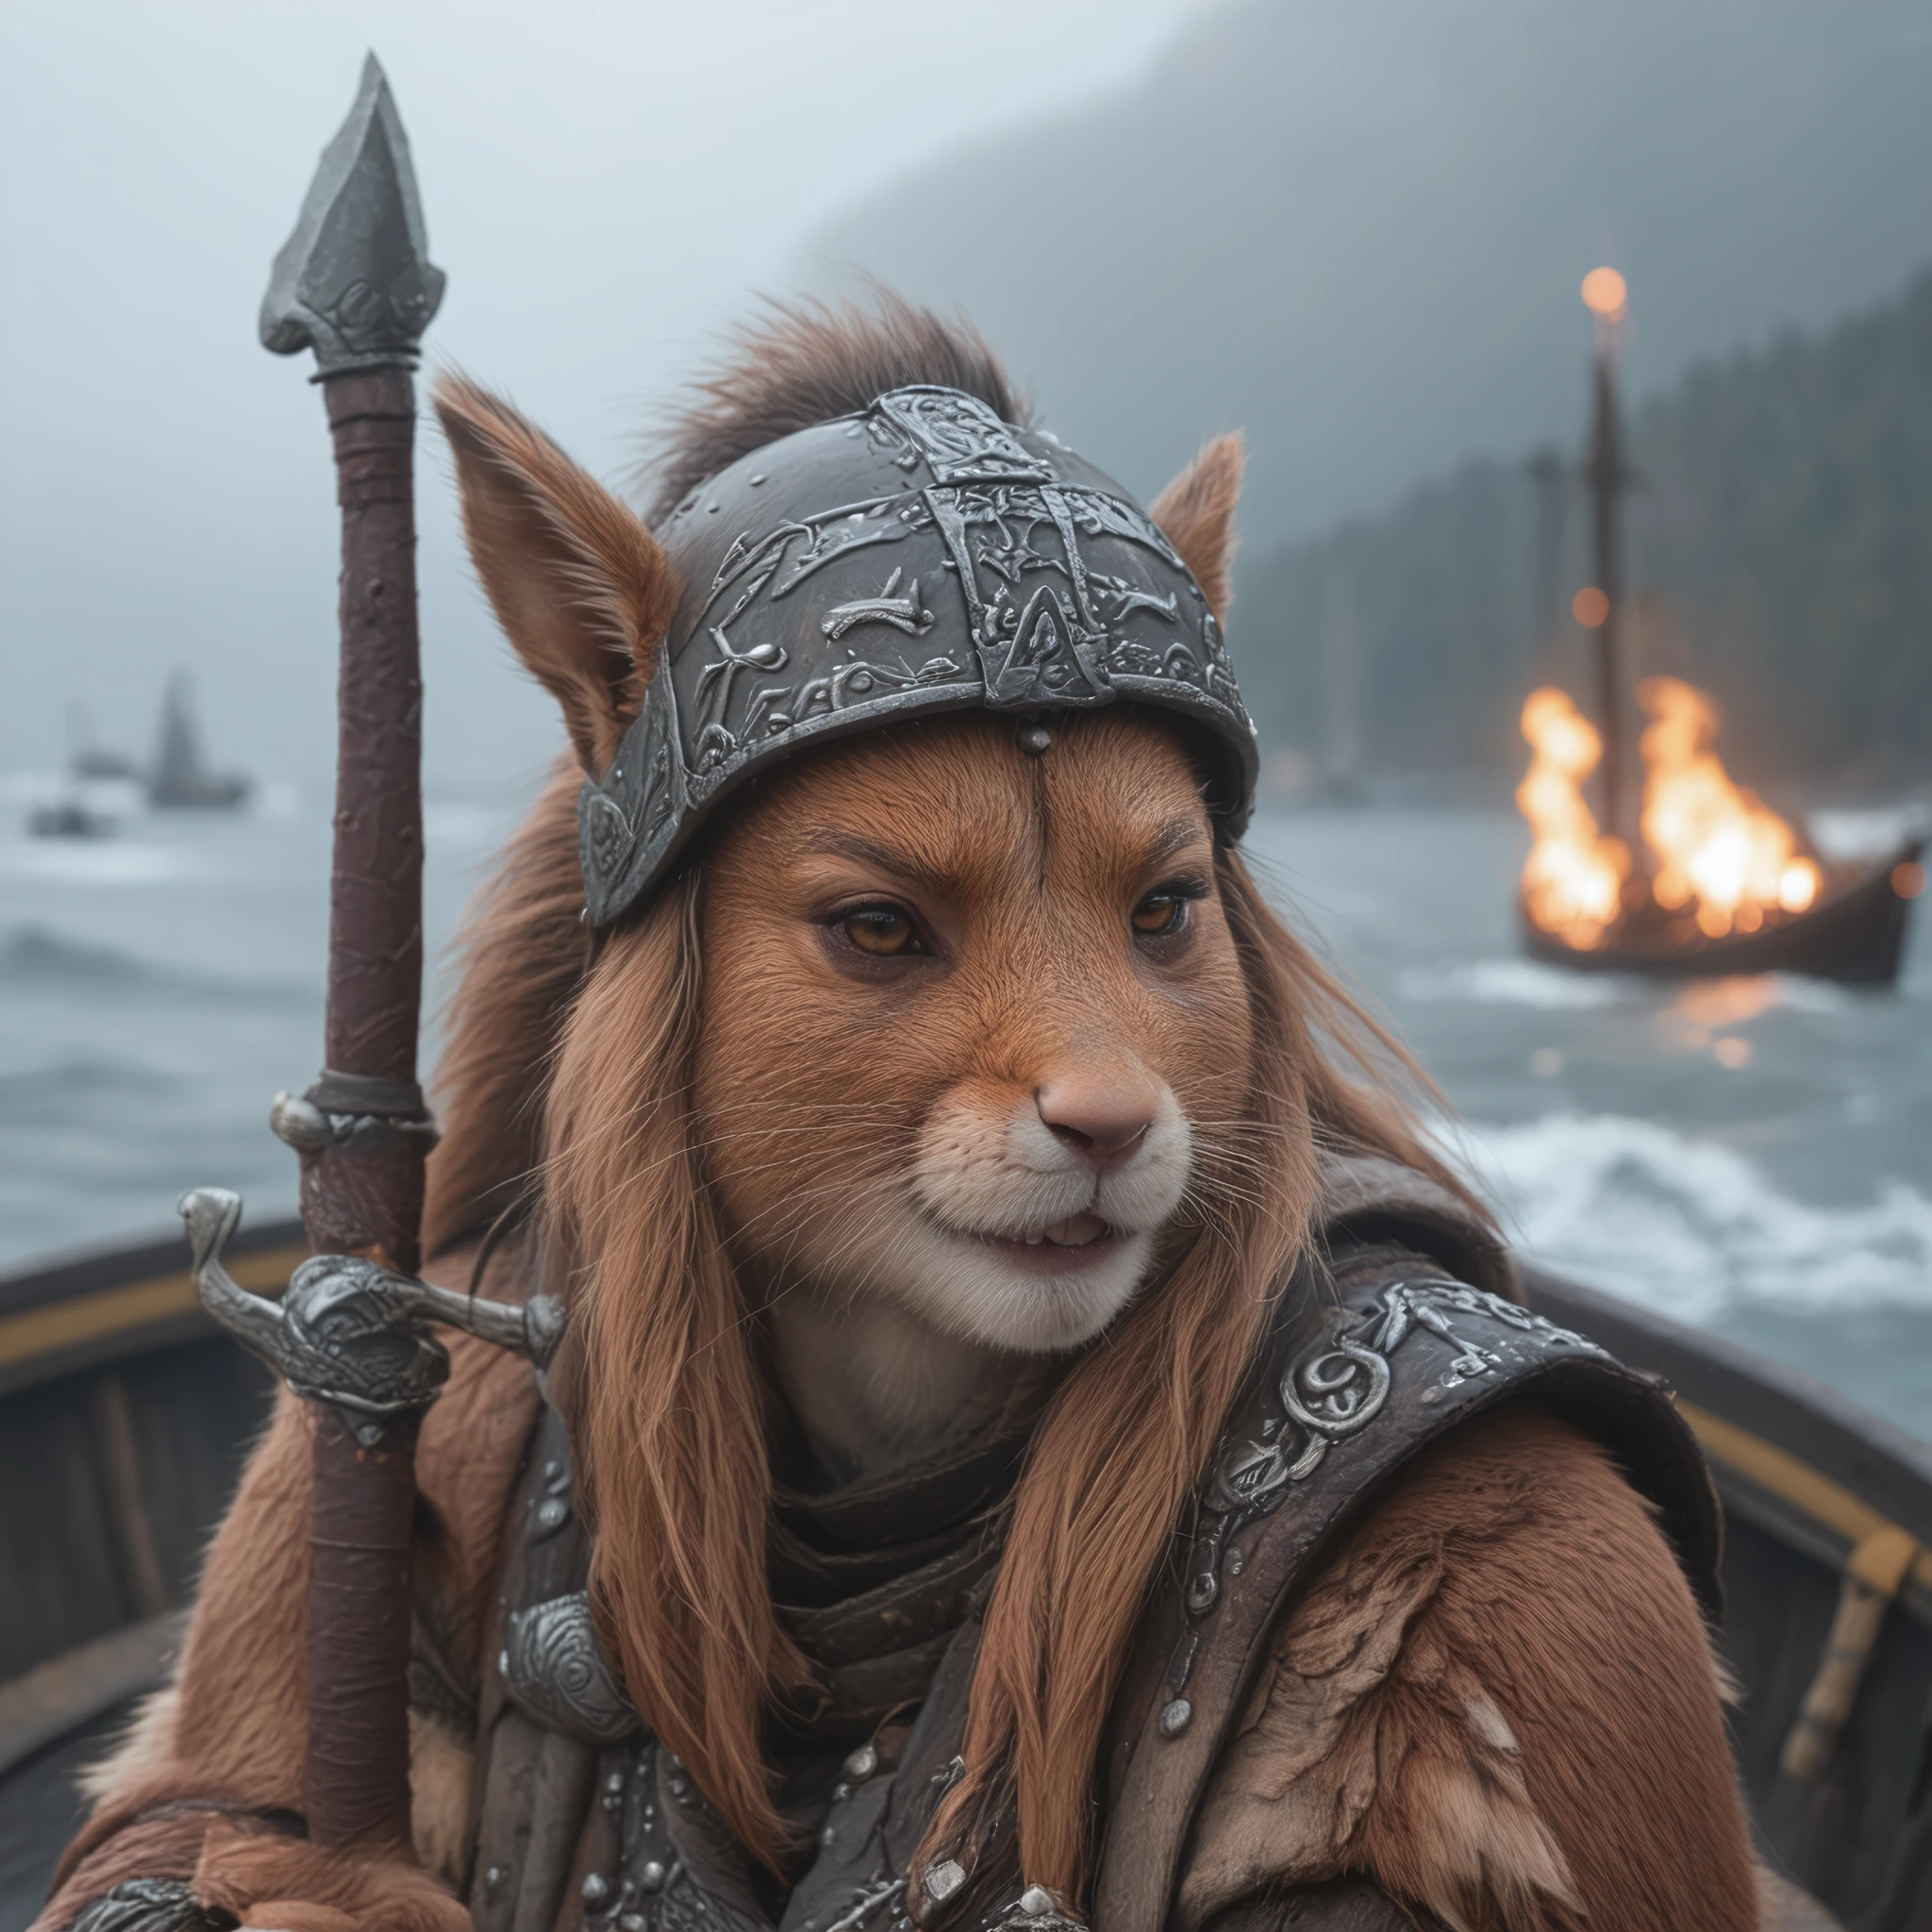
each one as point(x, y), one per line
point(95, 796)
point(177, 779)
point(68, 819)
point(88, 762)
point(1706, 879)
point(1856, 933)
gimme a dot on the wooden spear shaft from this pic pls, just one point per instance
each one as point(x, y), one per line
point(368, 1199)
point(355, 284)
point(362, 1194)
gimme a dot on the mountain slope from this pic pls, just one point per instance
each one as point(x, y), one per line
point(1784, 518)
point(1357, 229)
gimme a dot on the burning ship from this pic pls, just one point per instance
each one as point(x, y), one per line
point(1709, 879)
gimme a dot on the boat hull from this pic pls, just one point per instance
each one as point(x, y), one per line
point(1856, 936)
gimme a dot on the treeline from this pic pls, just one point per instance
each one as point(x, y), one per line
point(1780, 541)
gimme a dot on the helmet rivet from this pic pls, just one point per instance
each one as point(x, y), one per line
point(1034, 738)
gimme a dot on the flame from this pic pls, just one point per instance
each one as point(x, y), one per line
point(1720, 859)
point(1605, 293)
point(1720, 852)
point(1572, 881)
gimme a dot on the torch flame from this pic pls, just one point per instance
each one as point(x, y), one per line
point(1605, 294)
point(1573, 880)
point(1719, 849)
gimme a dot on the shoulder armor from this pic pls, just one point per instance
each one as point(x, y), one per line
point(1342, 1398)
point(1367, 1197)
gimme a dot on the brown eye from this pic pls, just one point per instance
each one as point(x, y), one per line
point(1160, 915)
point(882, 931)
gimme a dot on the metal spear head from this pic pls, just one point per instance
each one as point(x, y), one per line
point(355, 282)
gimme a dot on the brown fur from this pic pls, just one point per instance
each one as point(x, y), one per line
point(808, 362)
point(575, 579)
point(712, 1103)
point(1497, 1702)
point(524, 948)
point(1196, 513)
point(286, 1884)
point(232, 1731)
point(668, 1436)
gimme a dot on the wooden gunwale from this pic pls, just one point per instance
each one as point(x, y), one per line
point(101, 1305)
point(1796, 1463)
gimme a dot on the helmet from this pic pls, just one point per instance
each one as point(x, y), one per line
point(916, 558)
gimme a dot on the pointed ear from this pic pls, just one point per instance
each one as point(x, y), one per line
point(582, 589)
point(1196, 515)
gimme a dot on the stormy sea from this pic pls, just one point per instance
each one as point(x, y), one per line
point(1753, 1155)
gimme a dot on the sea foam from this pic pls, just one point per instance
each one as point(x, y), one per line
point(1552, 989)
point(107, 862)
point(1513, 983)
point(1691, 1227)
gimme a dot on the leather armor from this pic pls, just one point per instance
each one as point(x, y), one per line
point(1402, 1329)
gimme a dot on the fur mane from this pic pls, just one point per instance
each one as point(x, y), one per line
point(566, 1087)
point(522, 951)
point(808, 362)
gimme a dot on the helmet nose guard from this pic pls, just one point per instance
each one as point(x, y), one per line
point(918, 557)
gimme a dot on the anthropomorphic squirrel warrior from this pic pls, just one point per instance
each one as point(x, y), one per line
point(1039, 1440)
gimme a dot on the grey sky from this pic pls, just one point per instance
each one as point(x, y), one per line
point(604, 183)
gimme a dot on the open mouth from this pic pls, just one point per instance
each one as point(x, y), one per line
point(1063, 1247)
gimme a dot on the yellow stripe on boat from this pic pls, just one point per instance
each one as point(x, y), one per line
point(83, 1318)
point(1800, 1485)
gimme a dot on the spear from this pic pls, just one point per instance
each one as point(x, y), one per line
point(355, 284)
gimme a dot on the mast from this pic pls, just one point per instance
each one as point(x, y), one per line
point(1605, 293)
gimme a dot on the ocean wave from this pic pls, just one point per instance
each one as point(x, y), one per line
point(86, 1092)
point(1552, 989)
point(32, 956)
point(102, 862)
point(1512, 983)
point(1693, 1228)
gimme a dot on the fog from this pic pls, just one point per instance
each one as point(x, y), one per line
point(1354, 227)
point(605, 184)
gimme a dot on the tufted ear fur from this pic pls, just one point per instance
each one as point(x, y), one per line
point(581, 588)
point(1196, 515)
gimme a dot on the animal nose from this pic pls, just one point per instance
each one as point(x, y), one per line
point(1102, 1121)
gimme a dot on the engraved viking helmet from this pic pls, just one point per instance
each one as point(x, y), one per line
point(919, 557)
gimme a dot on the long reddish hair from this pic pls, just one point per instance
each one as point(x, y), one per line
point(668, 1402)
